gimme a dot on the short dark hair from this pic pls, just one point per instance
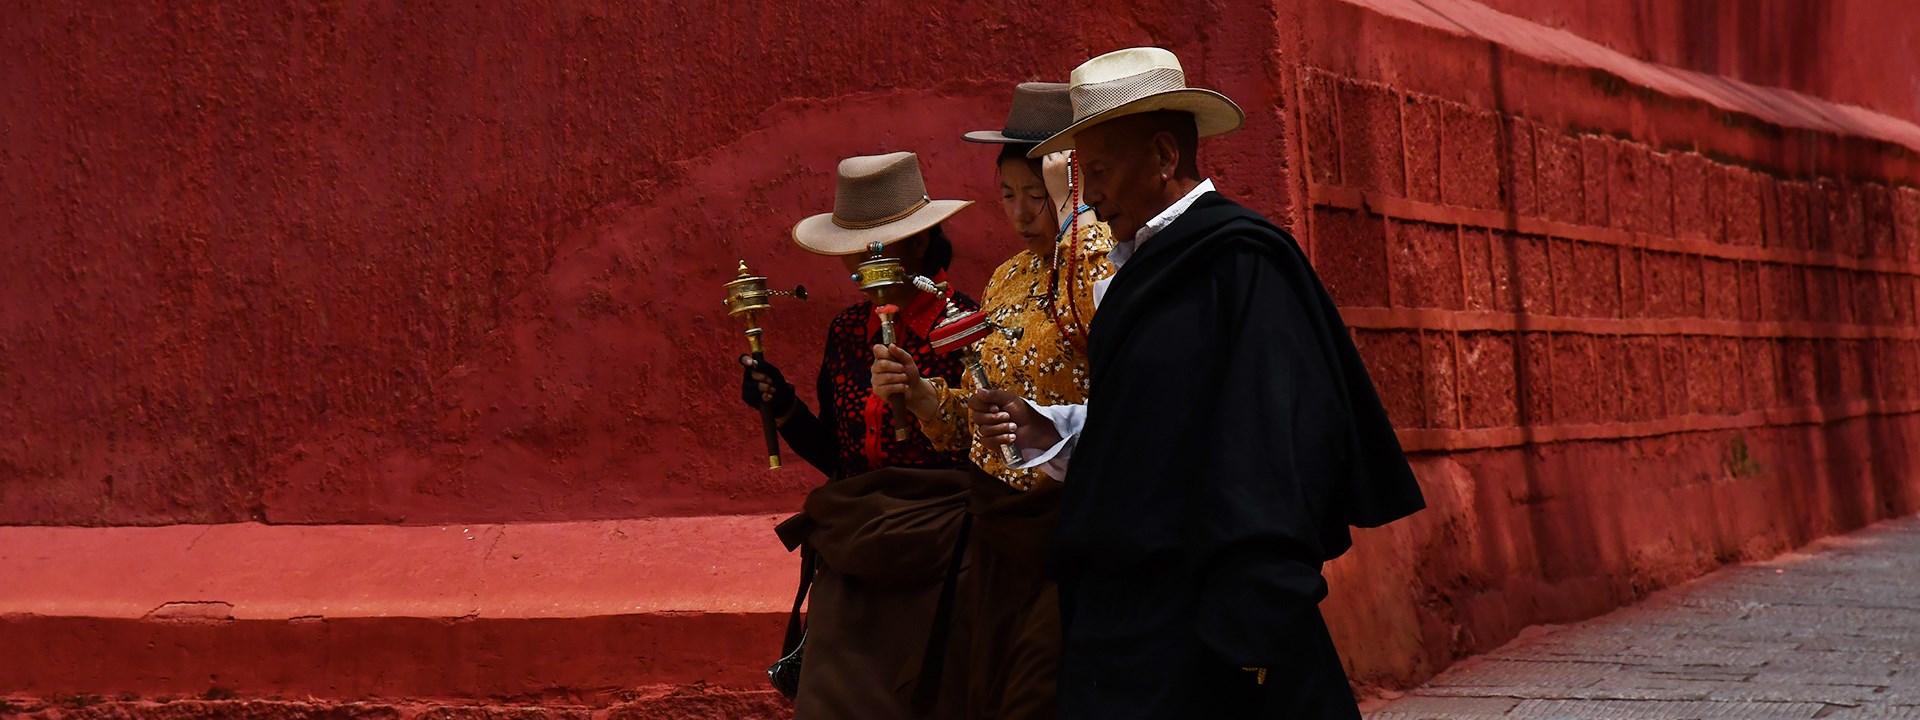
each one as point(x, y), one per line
point(1018, 151)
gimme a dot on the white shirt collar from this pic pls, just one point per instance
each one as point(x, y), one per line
point(1125, 249)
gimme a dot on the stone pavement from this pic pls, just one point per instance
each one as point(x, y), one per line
point(1831, 632)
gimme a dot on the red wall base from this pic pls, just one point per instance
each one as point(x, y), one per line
point(1514, 538)
point(642, 704)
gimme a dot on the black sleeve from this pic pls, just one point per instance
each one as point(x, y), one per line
point(812, 436)
point(1263, 450)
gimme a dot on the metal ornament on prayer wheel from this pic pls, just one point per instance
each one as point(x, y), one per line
point(876, 277)
point(966, 329)
point(747, 299)
point(879, 273)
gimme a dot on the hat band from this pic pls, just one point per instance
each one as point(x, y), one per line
point(1094, 98)
point(1024, 135)
point(896, 217)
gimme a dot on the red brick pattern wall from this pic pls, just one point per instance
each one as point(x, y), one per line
point(1619, 364)
point(1511, 281)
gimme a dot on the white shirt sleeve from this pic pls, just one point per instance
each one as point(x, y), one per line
point(1068, 420)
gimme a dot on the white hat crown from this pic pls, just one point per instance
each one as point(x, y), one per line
point(1139, 80)
point(1126, 63)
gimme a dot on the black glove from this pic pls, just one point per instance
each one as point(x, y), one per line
point(783, 397)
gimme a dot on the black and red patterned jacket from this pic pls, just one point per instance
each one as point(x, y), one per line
point(853, 432)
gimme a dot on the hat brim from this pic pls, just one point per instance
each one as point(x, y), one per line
point(1213, 114)
point(996, 137)
point(819, 235)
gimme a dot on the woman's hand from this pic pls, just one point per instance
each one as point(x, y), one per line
point(1056, 170)
point(762, 383)
point(894, 373)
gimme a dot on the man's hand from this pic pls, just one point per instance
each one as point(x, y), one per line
point(1002, 418)
point(894, 373)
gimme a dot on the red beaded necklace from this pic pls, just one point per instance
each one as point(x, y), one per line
point(1074, 332)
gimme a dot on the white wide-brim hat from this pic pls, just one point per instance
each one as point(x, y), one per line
point(878, 199)
point(1135, 81)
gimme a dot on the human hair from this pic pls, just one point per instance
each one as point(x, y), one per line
point(1018, 151)
point(939, 253)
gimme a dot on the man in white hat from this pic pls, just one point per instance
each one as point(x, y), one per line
point(1230, 438)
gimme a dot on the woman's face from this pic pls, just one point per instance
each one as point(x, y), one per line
point(1024, 198)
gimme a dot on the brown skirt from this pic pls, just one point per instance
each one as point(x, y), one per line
point(879, 644)
point(1016, 610)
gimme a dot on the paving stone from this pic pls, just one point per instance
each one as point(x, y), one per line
point(1835, 673)
point(1712, 653)
point(1435, 706)
point(1797, 692)
point(1601, 709)
point(1510, 673)
point(1877, 712)
point(1830, 633)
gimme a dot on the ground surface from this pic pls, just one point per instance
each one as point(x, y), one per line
point(1832, 632)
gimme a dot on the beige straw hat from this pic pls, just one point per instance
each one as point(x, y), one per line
point(1134, 81)
point(878, 199)
point(1039, 110)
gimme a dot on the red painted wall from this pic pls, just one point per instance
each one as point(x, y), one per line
point(349, 264)
point(1635, 337)
point(1858, 52)
point(462, 262)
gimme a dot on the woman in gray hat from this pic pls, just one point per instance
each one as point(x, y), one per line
point(1045, 293)
point(883, 637)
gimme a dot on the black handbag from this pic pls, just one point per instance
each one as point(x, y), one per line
point(785, 672)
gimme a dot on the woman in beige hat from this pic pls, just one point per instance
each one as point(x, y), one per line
point(883, 638)
point(879, 199)
point(1045, 292)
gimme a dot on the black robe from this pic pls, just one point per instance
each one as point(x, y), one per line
point(1232, 436)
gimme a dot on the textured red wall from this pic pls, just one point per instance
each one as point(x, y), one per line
point(352, 263)
point(1634, 337)
point(461, 263)
point(1858, 52)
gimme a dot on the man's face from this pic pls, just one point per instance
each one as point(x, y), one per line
point(1119, 175)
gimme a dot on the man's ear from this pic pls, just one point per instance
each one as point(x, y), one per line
point(1166, 155)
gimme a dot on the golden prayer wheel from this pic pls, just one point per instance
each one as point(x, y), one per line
point(747, 299)
point(876, 277)
point(879, 274)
